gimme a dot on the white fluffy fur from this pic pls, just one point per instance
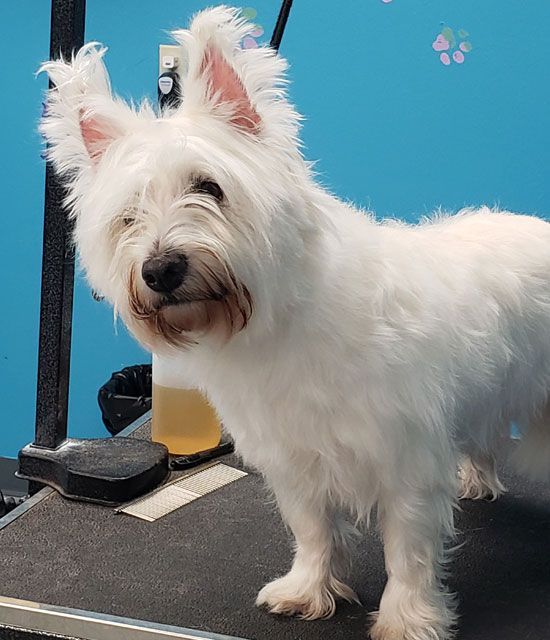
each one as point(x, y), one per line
point(377, 355)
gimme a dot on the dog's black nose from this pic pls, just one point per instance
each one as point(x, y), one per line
point(164, 273)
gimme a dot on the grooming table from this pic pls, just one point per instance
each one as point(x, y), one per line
point(195, 572)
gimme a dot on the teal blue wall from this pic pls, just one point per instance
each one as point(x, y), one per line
point(392, 127)
point(21, 202)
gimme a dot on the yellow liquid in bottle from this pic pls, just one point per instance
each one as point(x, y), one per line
point(184, 420)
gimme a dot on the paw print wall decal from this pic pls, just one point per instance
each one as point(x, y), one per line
point(250, 41)
point(450, 47)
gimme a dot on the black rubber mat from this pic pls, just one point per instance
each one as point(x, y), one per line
point(13, 633)
point(202, 565)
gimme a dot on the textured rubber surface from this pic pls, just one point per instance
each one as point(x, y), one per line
point(11, 633)
point(201, 566)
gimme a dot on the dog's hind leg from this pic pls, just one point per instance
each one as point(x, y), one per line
point(314, 583)
point(532, 455)
point(478, 477)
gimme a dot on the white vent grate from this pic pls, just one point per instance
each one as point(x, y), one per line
point(182, 491)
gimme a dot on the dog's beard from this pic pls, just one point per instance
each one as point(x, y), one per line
point(211, 300)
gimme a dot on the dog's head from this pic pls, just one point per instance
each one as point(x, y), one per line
point(182, 219)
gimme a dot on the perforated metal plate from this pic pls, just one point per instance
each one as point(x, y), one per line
point(182, 491)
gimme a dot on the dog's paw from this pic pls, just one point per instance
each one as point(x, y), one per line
point(478, 482)
point(384, 631)
point(415, 619)
point(286, 596)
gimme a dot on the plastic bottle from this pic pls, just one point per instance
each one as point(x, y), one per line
point(183, 419)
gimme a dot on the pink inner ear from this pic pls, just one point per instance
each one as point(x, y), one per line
point(95, 136)
point(226, 87)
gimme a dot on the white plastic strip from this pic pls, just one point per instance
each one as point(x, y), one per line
point(182, 491)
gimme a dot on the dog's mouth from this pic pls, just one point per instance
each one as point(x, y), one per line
point(181, 300)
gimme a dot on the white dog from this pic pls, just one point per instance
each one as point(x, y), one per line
point(356, 363)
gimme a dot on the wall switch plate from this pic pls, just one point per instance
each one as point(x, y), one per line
point(172, 58)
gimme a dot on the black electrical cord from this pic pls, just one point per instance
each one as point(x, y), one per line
point(280, 25)
point(9, 503)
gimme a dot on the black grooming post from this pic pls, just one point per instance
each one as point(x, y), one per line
point(107, 470)
point(67, 33)
point(280, 25)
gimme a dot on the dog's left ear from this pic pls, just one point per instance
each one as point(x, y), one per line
point(225, 90)
point(222, 78)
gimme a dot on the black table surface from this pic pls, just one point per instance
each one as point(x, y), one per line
point(202, 565)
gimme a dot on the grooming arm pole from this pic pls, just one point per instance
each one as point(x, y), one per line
point(280, 25)
point(56, 302)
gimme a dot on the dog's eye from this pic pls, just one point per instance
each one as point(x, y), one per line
point(129, 217)
point(211, 188)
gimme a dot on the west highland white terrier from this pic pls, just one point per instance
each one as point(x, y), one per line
point(356, 363)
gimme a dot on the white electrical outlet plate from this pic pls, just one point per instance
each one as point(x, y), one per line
point(172, 58)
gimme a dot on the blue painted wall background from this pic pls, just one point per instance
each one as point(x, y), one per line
point(21, 203)
point(392, 126)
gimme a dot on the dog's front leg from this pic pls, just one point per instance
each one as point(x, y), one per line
point(313, 584)
point(415, 522)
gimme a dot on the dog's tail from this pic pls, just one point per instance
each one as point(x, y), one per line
point(532, 455)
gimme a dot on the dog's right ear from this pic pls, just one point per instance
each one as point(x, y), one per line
point(81, 118)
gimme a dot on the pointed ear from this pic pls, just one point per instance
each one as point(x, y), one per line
point(97, 133)
point(81, 118)
point(225, 90)
point(218, 77)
